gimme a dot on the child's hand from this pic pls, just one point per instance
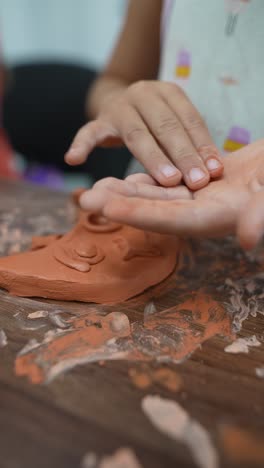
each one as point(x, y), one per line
point(232, 204)
point(161, 128)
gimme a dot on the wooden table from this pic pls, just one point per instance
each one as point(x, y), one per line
point(96, 407)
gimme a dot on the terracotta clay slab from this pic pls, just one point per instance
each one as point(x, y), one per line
point(97, 261)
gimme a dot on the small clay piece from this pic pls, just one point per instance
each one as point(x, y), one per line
point(165, 377)
point(3, 339)
point(97, 261)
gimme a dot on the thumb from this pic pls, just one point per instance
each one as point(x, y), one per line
point(199, 218)
point(87, 138)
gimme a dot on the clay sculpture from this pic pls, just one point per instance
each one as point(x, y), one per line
point(97, 261)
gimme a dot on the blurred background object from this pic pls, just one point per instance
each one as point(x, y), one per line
point(7, 160)
point(53, 51)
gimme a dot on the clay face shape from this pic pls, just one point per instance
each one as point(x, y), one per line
point(97, 261)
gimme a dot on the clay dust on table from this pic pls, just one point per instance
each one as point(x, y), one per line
point(170, 335)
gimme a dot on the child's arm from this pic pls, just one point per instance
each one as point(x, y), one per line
point(135, 57)
point(155, 120)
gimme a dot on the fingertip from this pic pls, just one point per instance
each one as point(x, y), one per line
point(215, 167)
point(83, 199)
point(212, 159)
point(75, 156)
point(92, 200)
point(168, 175)
point(197, 178)
point(68, 158)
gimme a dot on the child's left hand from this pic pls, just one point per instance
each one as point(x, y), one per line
point(234, 203)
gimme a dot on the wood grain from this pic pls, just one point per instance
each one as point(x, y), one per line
point(96, 407)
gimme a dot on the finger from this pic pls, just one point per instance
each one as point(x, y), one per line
point(251, 222)
point(143, 146)
point(141, 177)
point(196, 128)
point(151, 192)
point(168, 130)
point(87, 138)
point(178, 192)
point(96, 199)
point(183, 217)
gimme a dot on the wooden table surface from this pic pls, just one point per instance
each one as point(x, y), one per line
point(96, 407)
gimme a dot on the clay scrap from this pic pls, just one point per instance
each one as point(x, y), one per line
point(174, 421)
point(241, 345)
point(97, 261)
point(167, 336)
point(3, 339)
point(122, 458)
point(164, 377)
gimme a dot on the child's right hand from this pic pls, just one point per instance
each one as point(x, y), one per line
point(161, 128)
